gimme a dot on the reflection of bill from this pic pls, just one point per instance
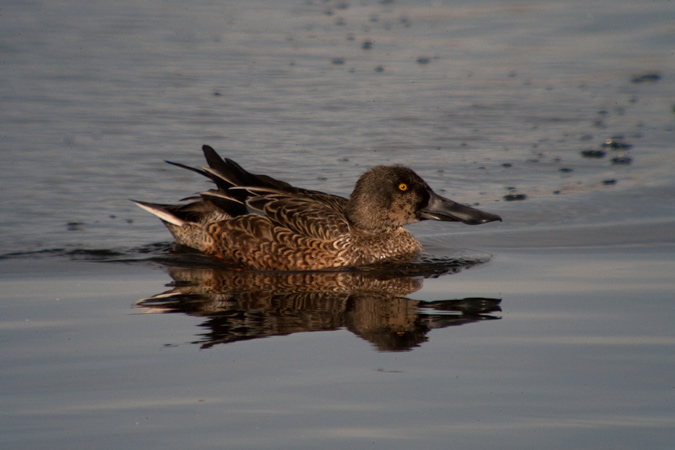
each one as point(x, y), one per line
point(242, 305)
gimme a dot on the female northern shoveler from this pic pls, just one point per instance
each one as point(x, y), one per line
point(301, 229)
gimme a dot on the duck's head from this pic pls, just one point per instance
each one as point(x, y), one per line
point(387, 197)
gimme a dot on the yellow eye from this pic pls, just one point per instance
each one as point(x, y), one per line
point(403, 187)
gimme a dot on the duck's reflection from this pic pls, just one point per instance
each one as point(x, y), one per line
point(242, 305)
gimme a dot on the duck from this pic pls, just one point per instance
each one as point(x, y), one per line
point(258, 222)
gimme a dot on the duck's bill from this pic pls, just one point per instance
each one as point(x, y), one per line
point(441, 208)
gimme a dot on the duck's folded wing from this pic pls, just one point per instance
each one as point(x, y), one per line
point(307, 216)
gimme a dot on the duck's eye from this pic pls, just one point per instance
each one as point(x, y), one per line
point(402, 187)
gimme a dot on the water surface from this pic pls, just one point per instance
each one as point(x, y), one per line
point(488, 101)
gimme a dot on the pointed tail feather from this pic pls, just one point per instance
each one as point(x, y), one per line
point(160, 211)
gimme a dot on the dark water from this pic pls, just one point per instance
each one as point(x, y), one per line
point(554, 329)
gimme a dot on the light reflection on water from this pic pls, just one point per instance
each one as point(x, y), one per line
point(565, 355)
point(96, 95)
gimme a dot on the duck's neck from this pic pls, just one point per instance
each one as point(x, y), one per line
point(368, 220)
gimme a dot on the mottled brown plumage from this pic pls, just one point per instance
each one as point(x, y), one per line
point(259, 222)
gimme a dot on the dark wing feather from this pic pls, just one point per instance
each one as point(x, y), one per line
point(236, 175)
point(306, 212)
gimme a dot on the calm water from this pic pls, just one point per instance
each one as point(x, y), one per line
point(562, 336)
